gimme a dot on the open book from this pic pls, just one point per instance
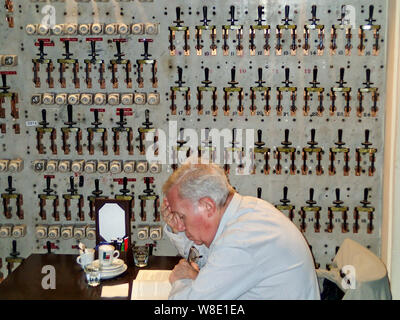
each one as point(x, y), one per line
point(151, 285)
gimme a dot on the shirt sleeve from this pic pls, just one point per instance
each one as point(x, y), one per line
point(228, 274)
point(183, 245)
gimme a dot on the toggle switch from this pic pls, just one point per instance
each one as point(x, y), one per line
point(345, 91)
point(146, 61)
point(16, 197)
point(285, 149)
point(234, 28)
point(264, 91)
point(260, 148)
point(337, 208)
point(312, 148)
point(70, 129)
point(374, 96)
point(122, 129)
point(362, 36)
point(201, 90)
point(66, 61)
point(293, 94)
point(119, 61)
point(293, 34)
point(366, 150)
point(73, 195)
point(178, 28)
point(313, 25)
point(99, 130)
point(364, 208)
point(231, 90)
point(94, 61)
point(48, 195)
point(285, 204)
point(308, 92)
point(340, 148)
point(96, 194)
point(310, 208)
point(212, 34)
point(41, 131)
point(149, 195)
point(342, 26)
point(180, 89)
point(127, 195)
point(260, 27)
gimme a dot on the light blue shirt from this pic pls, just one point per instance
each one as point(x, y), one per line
point(257, 253)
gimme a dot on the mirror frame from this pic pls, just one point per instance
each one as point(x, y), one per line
point(124, 204)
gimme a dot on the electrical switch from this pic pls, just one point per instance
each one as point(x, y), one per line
point(127, 195)
point(122, 129)
point(66, 131)
point(178, 28)
point(100, 130)
point(285, 205)
point(10, 195)
point(264, 91)
point(265, 28)
point(73, 195)
point(203, 28)
point(48, 196)
point(177, 89)
point(146, 61)
point(40, 131)
point(364, 208)
point(310, 208)
point(201, 90)
point(228, 91)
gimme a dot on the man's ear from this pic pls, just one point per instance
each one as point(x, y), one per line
point(208, 205)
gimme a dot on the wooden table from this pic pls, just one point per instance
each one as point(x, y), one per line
point(25, 283)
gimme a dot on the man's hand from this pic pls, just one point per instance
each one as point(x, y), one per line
point(170, 218)
point(184, 270)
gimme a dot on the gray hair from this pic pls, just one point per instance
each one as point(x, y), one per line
point(197, 181)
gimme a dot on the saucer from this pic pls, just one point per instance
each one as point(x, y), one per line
point(116, 264)
point(114, 273)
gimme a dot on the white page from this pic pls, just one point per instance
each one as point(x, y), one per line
point(154, 275)
point(151, 285)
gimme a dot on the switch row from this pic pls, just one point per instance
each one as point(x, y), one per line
point(12, 231)
point(93, 29)
point(93, 166)
point(96, 98)
point(15, 165)
point(152, 232)
point(65, 232)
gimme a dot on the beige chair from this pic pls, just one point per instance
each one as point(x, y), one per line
point(359, 273)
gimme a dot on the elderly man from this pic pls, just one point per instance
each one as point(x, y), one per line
point(248, 249)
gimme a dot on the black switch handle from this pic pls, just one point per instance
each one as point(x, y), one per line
point(286, 135)
point(259, 135)
point(371, 13)
point(311, 194)
point(259, 75)
point(205, 13)
point(341, 74)
point(368, 75)
point(312, 135)
point(366, 194)
point(287, 8)
point(206, 74)
point(287, 72)
point(233, 74)
point(69, 110)
point(259, 191)
point(180, 73)
point(178, 13)
point(315, 73)
point(340, 134)
point(81, 181)
point(314, 11)
point(337, 191)
point(285, 192)
point(260, 10)
point(366, 135)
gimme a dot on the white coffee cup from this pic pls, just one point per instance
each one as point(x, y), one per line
point(86, 257)
point(107, 254)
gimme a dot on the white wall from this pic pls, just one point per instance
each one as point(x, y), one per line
point(391, 192)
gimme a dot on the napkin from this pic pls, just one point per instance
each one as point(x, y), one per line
point(120, 290)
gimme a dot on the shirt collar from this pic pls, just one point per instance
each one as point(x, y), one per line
point(228, 214)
